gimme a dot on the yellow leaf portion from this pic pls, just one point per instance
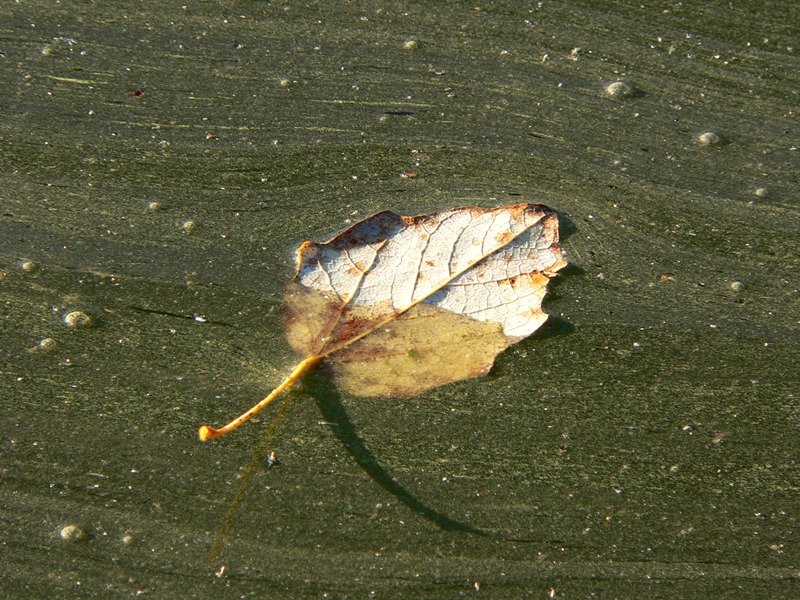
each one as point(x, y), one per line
point(423, 348)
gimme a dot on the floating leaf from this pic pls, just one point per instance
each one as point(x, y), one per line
point(398, 305)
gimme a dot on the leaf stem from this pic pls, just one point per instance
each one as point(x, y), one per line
point(207, 432)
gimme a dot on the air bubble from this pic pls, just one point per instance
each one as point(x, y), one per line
point(77, 319)
point(47, 344)
point(72, 533)
point(708, 138)
point(737, 286)
point(618, 90)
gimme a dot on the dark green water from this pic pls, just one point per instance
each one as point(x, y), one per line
point(644, 444)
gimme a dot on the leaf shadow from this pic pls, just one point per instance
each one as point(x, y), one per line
point(554, 327)
point(330, 405)
point(566, 227)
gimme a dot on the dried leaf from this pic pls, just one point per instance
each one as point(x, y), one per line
point(398, 305)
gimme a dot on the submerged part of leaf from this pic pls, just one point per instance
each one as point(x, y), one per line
point(398, 305)
point(424, 347)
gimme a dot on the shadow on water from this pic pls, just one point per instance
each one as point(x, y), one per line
point(329, 402)
point(220, 538)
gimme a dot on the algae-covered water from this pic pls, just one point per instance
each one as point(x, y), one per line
point(161, 163)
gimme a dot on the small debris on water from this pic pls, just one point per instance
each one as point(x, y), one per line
point(272, 459)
